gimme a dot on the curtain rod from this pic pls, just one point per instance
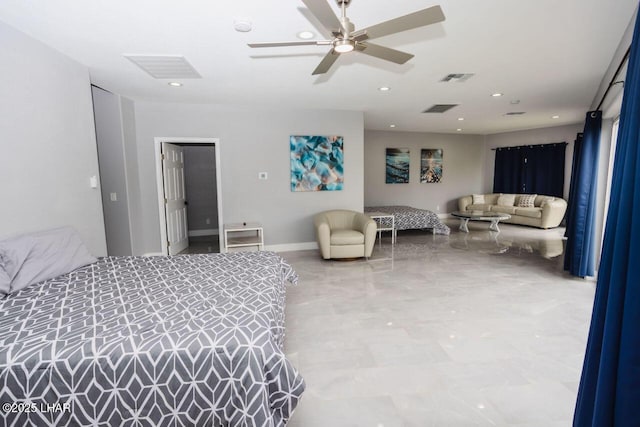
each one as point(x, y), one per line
point(529, 145)
point(613, 81)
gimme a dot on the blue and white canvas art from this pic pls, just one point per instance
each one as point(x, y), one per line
point(397, 164)
point(317, 163)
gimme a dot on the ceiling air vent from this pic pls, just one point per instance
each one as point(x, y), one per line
point(440, 108)
point(165, 66)
point(457, 77)
point(515, 113)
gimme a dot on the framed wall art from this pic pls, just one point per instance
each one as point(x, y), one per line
point(430, 165)
point(317, 163)
point(397, 166)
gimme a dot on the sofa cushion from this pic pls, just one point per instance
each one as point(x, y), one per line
point(511, 210)
point(346, 237)
point(527, 200)
point(478, 199)
point(529, 212)
point(506, 199)
point(543, 200)
point(480, 207)
point(491, 199)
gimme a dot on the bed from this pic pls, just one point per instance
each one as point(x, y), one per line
point(408, 218)
point(184, 340)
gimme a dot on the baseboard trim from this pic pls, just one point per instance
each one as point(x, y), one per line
point(444, 215)
point(288, 247)
point(205, 232)
point(153, 254)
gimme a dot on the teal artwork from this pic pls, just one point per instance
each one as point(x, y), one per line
point(317, 163)
point(397, 166)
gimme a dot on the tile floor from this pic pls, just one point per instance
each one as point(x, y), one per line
point(477, 329)
point(202, 245)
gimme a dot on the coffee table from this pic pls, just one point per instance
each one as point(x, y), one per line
point(494, 217)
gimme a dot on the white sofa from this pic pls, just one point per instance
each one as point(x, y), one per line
point(345, 234)
point(547, 211)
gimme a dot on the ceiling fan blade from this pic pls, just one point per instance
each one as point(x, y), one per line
point(326, 62)
point(294, 43)
point(360, 36)
point(323, 13)
point(385, 53)
point(421, 18)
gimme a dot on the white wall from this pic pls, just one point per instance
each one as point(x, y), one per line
point(252, 141)
point(565, 133)
point(48, 142)
point(463, 162)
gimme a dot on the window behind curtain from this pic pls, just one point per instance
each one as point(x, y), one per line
point(531, 169)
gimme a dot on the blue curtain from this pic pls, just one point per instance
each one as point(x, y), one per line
point(609, 393)
point(530, 169)
point(572, 188)
point(579, 256)
point(544, 169)
point(508, 170)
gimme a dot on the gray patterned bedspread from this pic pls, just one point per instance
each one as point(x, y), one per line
point(161, 341)
point(408, 218)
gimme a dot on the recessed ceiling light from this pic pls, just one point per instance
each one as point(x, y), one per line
point(496, 95)
point(242, 25)
point(174, 84)
point(306, 35)
point(555, 117)
point(384, 89)
point(392, 126)
point(459, 130)
point(460, 118)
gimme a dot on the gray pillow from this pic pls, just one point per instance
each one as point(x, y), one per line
point(35, 257)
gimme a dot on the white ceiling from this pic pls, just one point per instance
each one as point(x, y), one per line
point(550, 55)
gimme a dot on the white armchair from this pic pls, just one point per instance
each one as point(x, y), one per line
point(345, 234)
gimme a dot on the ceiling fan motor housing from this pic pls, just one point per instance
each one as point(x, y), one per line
point(347, 26)
point(343, 2)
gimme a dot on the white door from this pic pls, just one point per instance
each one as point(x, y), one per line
point(175, 203)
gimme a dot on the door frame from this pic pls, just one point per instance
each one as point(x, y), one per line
point(160, 183)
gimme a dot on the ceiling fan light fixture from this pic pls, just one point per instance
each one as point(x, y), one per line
point(343, 46)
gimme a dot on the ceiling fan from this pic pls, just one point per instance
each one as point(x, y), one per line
point(346, 39)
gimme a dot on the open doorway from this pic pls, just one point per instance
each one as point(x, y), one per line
point(189, 194)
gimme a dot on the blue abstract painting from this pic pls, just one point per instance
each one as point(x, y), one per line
point(397, 161)
point(317, 163)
